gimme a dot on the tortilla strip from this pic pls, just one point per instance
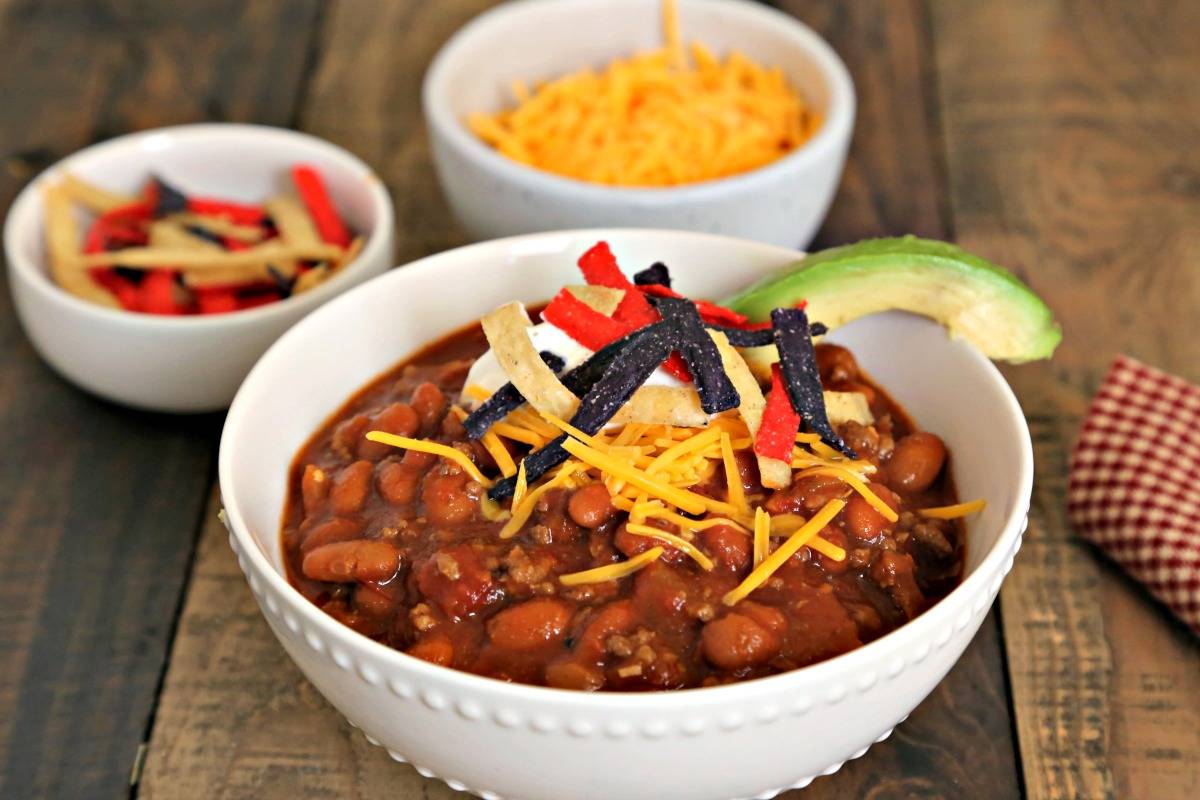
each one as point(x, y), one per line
point(271, 252)
point(294, 224)
point(250, 234)
point(663, 405)
point(62, 243)
point(92, 197)
point(171, 235)
point(310, 279)
point(774, 473)
point(598, 298)
point(507, 333)
point(351, 253)
point(848, 407)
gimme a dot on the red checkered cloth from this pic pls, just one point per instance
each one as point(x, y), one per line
point(1135, 481)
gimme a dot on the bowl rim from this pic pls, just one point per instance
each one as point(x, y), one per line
point(27, 210)
point(253, 560)
point(835, 130)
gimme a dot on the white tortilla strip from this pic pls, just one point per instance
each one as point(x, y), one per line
point(598, 298)
point(848, 407)
point(93, 197)
point(663, 405)
point(310, 278)
point(272, 252)
point(62, 249)
point(172, 235)
point(507, 333)
point(774, 473)
point(293, 222)
point(249, 234)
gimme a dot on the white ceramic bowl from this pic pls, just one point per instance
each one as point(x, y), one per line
point(782, 203)
point(506, 740)
point(192, 363)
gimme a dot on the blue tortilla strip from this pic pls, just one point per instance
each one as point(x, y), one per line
point(656, 274)
point(798, 360)
point(622, 377)
point(503, 401)
point(282, 282)
point(582, 378)
point(579, 380)
point(204, 233)
point(759, 337)
point(168, 199)
point(699, 351)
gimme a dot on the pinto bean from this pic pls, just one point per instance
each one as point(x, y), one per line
point(916, 462)
point(447, 497)
point(347, 435)
point(398, 418)
point(376, 600)
point(863, 522)
point(836, 364)
point(357, 560)
point(591, 506)
point(618, 617)
point(835, 536)
point(314, 488)
point(351, 487)
point(729, 547)
point(399, 480)
point(528, 625)
point(430, 404)
point(806, 495)
point(737, 641)
point(338, 529)
point(436, 649)
point(574, 675)
point(895, 573)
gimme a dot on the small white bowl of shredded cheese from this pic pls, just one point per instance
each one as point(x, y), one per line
point(526, 43)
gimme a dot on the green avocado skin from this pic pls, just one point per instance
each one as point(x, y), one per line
point(887, 267)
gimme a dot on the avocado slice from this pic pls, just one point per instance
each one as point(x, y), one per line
point(973, 298)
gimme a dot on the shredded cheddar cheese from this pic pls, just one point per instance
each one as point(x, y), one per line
point(654, 119)
point(759, 575)
point(445, 451)
point(954, 511)
point(524, 510)
point(611, 572)
point(678, 542)
point(688, 501)
point(886, 511)
point(762, 534)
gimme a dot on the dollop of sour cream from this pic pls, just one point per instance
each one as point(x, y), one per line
point(487, 373)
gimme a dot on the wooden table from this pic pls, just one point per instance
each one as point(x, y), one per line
point(1056, 137)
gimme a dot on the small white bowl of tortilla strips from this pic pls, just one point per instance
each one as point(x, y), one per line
point(187, 362)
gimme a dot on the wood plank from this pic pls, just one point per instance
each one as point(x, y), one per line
point(959, 741)
point(1071, 132)
point(99, 505)
point(366, 96)
point(275, 736)
point(219, 737)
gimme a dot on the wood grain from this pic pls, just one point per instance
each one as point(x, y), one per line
point(99, 505)
point(366, 96)
point(1071, 131)
point(958, 743)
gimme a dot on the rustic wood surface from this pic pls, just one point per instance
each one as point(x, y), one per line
point(1058, 138)
point(1071, 133)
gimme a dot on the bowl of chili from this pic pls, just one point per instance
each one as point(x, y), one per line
point(153, 269)
point(772, 729)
